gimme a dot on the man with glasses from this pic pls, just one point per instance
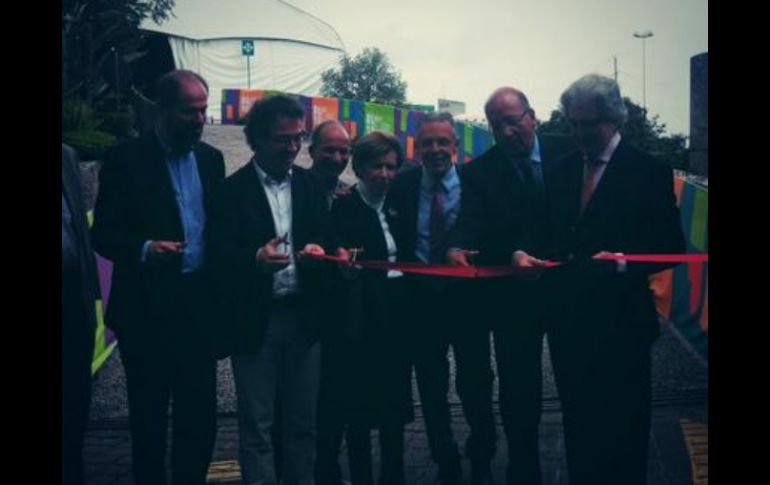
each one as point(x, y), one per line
point(502, 217)
point(607, 197)
point(266, 212)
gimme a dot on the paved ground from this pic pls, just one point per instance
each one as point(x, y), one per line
point(680, 392)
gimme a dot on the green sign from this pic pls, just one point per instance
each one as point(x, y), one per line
point(247, 47)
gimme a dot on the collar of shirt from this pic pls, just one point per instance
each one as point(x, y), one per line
point(449, 181)
point(609, 150)
point(166, 148)
point(534, 155)
point(373, 202)
point(266, 179)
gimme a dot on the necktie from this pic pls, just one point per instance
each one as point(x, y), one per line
point(437, 223)
point(590, 182)
point(526, 172)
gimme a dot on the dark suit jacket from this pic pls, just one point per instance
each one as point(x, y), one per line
point(136, 203)
point(240, 224)
point(632, 210)
point(73, 192)
point(498, 215)
point(363, 305)
point(369, 380)
point(401, 209)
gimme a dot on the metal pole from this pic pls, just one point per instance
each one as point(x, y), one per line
point(248, 71)
point(644, 74)
point(644, 36)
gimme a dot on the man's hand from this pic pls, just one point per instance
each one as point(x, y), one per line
point(521, 259)
point(270, 258)
point(348, 270)
point(460, 257)
point(162, 250)
point(342, 191)
point(608, 265)
point(343, 253)
point(313, 250)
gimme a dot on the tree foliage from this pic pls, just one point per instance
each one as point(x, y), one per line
point(369, 77)
point(95, 32)
point(646, 133)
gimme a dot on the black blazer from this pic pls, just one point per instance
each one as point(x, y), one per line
point(498, 214)
point(241, 223)
point(632, 210)
point(401, 208)
point(360, 304)
point(136, 203)
point(73, 192)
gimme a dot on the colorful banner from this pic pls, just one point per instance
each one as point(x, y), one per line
point(324, 109)
point(359, 118)
point(379, 117)
point(682, 292)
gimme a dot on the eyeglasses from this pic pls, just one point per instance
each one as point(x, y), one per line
point(287, 139)
point(585, 124)
point(512, 121)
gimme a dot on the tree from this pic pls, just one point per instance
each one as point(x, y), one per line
point(369, 77)
point(95, 32)
point(99, 39)
point(645, 133)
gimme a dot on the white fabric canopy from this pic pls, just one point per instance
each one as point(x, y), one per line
point(291, 47)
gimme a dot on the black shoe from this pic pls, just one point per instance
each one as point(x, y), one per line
point(481, 474)
point(449, 480)
point(452, 476)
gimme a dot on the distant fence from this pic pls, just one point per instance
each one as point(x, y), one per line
point(360, 118)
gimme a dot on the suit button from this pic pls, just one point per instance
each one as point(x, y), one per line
point(573, 229)
point(571, 257)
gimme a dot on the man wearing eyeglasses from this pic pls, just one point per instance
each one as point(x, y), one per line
point(265, 213)
point(607, 197)
point(502, 217)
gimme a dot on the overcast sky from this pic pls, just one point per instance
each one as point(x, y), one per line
point(463, 50)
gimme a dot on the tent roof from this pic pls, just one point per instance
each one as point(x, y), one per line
point(245, 19)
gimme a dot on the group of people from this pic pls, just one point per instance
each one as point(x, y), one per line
point(207, 267)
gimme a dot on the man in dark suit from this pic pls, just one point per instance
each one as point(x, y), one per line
point(266, 212)
point(330, 149)
point(79, 292)
point(154, 198)
point(608, 197)
point(502, 217)
point(422, 206)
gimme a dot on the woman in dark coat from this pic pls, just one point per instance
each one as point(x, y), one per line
point(366, 379)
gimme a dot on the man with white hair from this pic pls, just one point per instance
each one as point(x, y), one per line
point(607, 197)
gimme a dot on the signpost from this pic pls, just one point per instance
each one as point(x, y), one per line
point(247, 49)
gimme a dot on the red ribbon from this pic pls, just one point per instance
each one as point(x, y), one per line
point(439, 269)
point(658, 258)
point(497, 271)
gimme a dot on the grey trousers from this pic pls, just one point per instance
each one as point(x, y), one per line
point(288, 363)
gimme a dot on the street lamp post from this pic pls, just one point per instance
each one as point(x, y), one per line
point(644, 35)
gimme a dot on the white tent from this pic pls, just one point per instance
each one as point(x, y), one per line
point(291, 47)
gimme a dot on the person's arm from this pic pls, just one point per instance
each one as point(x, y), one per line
point(115, 232)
